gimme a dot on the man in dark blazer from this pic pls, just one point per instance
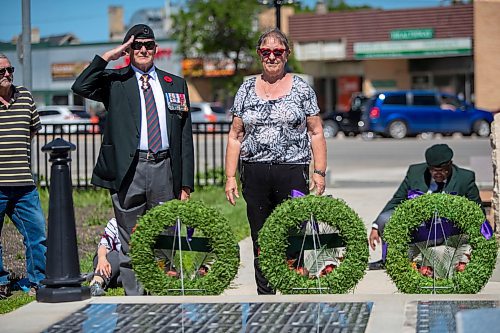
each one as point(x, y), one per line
point(437, 175)
point(146, 157)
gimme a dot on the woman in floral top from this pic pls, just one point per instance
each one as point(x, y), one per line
point(275, 130)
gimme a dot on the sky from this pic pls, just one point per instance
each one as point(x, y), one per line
point(88, 19)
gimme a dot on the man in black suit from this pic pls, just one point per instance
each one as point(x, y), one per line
point(146, 156)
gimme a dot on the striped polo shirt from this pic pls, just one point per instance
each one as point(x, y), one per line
point(16, 122)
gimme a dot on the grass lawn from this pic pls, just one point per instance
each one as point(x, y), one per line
point(92, 210)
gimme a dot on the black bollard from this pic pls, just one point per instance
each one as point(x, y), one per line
point(63, 282)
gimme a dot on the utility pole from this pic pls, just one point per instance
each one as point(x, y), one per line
point(26, 42)
point(277, 5)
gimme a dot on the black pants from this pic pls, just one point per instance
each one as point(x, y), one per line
point(264, 187)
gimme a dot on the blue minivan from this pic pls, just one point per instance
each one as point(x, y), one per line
point(398, 114)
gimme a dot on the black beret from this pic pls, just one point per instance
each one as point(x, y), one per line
point(140, 31)
point(438, 155)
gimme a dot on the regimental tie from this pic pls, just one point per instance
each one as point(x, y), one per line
point(154, 132)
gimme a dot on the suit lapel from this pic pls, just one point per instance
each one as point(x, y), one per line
point(452, 182)
point(166, 87)
point(134, 98)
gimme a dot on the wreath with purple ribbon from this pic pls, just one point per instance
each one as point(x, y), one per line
point(289, 217)
point(467, 217)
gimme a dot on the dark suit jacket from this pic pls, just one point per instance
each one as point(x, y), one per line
point(462, 182)
point(118, 89)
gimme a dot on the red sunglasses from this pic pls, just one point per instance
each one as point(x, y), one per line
point(266, 53)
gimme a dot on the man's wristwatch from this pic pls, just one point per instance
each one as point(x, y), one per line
point(319, 172)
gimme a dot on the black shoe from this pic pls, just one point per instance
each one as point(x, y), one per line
point(376, 265)
point(5, 291)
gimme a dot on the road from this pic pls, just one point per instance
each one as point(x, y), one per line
point(354, 161)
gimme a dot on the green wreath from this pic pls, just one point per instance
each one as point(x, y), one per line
point(273, 242)
point(194, 214)
point(467, 215)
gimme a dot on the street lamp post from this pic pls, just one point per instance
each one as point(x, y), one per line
point(277, 5)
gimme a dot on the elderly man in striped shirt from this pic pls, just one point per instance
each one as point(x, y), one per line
point(19, 198)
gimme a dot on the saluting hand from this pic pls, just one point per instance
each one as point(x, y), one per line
point(118, 51)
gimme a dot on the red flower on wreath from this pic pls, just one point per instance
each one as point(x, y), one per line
point(167, 79)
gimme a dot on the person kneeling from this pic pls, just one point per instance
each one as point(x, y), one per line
point(437, 175)
point(106, 261)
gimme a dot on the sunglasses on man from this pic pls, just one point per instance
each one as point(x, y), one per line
point(6, 69)
point(136, 45)
point(266, 53)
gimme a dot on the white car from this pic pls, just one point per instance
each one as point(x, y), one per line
point(64, 119)
point(204, 112)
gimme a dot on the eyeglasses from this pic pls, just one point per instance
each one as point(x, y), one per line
point(138, 45)
point(266, 53)
point(6, 69)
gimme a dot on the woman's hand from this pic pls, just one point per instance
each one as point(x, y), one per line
point(185, 193)
point(317, 182)
point(232, 190)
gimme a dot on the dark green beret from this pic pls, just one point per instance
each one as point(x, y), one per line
point(140, 31)
point(438, 154)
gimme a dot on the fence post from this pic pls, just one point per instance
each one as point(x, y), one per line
point(63, 279)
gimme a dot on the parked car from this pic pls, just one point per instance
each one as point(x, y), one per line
point(204, 112)
point(347, 122)
point(398, 114)
point(64, 119)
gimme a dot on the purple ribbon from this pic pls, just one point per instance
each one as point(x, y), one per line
point(448, 228)
point(190, 232)
point(412, 194)
point(297, 194)
point(486, 229)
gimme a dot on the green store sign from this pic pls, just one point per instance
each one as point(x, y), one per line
point(409, 34)
point(413, 48)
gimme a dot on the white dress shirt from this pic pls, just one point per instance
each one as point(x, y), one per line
point(160, 107)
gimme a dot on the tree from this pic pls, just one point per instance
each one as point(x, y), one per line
point(207, 27)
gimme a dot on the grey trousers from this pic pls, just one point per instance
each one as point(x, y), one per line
point(382, 220)
point(150, 185)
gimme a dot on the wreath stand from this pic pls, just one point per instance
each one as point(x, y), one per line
point(433, 231)
point(218, 240)
point(467, 216)
point(179, 243)
point(275, 243)
point(314, 242)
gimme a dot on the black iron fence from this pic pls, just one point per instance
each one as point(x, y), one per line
point(209, 146)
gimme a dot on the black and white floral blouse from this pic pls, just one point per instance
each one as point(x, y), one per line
point(276, 130)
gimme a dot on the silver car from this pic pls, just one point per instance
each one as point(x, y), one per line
point(64, 119)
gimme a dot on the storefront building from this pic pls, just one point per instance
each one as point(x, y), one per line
point(375, 50)
point(55, 68)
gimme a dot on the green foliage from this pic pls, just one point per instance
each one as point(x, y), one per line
point(467, 215)
point(216, 26)
point(273, 241)
point(17, 300)
point(214, 197)
point(342, 5)
point(195, 214)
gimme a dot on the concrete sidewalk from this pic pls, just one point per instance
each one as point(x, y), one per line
point(390, 312)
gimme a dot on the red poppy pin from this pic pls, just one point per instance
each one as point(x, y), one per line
point(167, 79)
